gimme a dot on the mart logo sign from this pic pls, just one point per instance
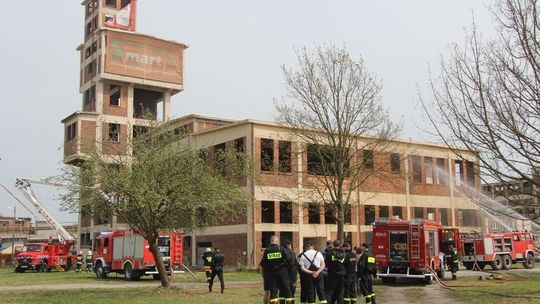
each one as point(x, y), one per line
point(123, 51)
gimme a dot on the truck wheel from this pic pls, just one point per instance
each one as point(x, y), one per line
point(19, 269)
point(156, 276)
point(468, 265)
point(507, 262)
point(388, 280)
point(529, 261)
point(497, 263)
point(100, 271)
point(428, 280)
point(130, 274)
point(481, 265)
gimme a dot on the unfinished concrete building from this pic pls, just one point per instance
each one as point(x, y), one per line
point(420, 180)
point(126, 81)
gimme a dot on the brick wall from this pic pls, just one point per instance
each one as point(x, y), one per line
point(231, 245)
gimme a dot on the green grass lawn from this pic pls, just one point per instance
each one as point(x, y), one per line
point(151, 294)
point(494, 291)
point(9, 278)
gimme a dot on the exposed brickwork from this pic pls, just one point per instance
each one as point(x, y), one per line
point(114, 148)
point(274, 177)
point(121, 109)
point(232, 246)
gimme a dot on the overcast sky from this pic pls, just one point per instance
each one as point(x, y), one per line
point(232, 65)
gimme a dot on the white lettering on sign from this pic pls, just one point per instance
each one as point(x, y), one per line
point(144, 59)
point(380, 234)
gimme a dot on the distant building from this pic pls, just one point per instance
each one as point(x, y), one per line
point(519, 205)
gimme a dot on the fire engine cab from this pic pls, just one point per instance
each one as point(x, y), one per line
point(412, 249)
point(128, 253)
point(499, 250)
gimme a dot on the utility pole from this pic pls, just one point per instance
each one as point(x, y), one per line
point(13, 235)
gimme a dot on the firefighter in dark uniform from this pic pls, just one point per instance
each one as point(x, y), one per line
point(365, 268)
point(88, 261)
point(218, 260)
point(453, 262)
point(350, 275)
point(293, 272)
point(324, 274)
point(276, 261)
point(207, 262)
point(79, 262)
point(335, 260)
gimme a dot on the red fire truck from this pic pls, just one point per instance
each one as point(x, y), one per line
point(44, 255)
point(499, 250)
point(128, 253)
point(412, 249)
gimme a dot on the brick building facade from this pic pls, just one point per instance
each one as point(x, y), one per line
point(420, 180)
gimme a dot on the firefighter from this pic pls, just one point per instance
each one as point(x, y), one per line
point(453, 262)
point(88, 261)
point(365, 268)
point(207, 263)
point(335, 260)
point(292, 271)
point(218, 259)
point(79, 260)
point(325, 252)
point(312, 265)
point(350, 275)
point(275, 262)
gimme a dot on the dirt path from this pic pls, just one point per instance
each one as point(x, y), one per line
point(418, 294)
point(192, 286)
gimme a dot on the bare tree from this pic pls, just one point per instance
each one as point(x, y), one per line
point(487, 97)
point(164, 184)
point(335, 107)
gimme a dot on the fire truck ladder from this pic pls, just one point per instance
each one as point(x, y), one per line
point(24, 186)
point(415, 241)
point(177, 251)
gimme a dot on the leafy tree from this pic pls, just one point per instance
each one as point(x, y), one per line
point(487, 98)
point(164, 184)
point(334, 106)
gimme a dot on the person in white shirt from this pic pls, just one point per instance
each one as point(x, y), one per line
point(312, 264)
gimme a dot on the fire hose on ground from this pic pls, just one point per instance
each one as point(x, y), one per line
point(453, 287)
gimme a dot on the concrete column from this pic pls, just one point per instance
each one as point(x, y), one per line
point(451, 185)
point(130, 93)
point(407, 188)
point(166, 105)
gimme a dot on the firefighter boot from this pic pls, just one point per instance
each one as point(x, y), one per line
point(454, 276)
point(373, 301)
point(368, 300)
point(222, 289)
point(289, 301)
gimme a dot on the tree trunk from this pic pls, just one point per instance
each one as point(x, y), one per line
point(160, 266)
point(340, 223)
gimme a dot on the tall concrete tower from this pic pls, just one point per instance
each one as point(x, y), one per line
point(126, 81)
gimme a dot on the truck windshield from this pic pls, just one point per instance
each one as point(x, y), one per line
point(164, 245)
point(33, 248)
